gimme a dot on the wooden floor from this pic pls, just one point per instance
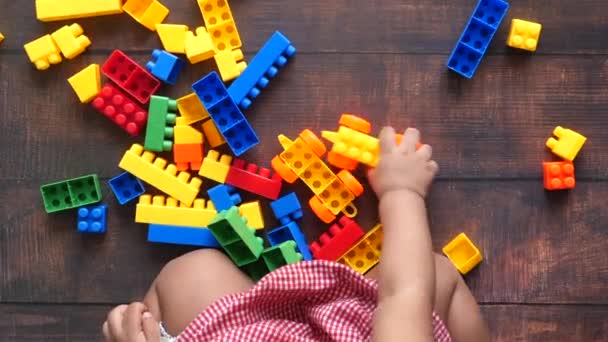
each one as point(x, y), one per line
point(545, 270)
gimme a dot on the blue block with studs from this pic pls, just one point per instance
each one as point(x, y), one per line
point(224, 197)
point(165, 66)
point(126, 187)
point(92, 219)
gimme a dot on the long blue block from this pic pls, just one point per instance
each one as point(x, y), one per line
point(290, 231)
point(224, 197)
point(165, 66)
point(273, 55)
point(190, 236)
point(287, 208)
point(126, 187)
point(477, 35)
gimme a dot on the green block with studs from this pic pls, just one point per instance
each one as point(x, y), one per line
point(161, 119)
point(71, 193)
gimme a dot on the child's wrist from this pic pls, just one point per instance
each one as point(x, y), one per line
point(399, 195)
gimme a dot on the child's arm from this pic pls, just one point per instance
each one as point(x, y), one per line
point(407, 268)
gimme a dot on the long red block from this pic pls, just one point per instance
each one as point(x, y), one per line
point(344, 234)
point(188, 156)
point(131, 77)
point(118, 107)
point(247, 177)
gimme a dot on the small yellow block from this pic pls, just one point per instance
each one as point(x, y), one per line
point(252, 211)
point(366, 253)
point(86, 83)
point(43, 52)
point(191, 109)
point(71, 40)
point(568, 143)
point(173, 37)
point(228, 64)
point(167, 210)
point(1, 37)
point(146, 12)
point(185, 134)
point(52, 10)
point(213, 135)
point(462, 253)
point(199, 47)
point(524, 35)
point(215, 167)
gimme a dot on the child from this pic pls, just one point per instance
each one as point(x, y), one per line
point(418, 295)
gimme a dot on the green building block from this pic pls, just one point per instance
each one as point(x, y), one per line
point(281, 255)
point(256, 270)
point(161, 116)
point(71, 193)
point(235, 237)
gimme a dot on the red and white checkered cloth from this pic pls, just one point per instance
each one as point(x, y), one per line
point(313, 300)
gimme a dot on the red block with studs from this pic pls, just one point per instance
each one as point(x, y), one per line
point(342, 236)
point(559, 175)
point(131, 77)
point(118, 107)
point(247, 177)
point(188, 156)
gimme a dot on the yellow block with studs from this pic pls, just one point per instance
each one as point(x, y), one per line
point(191, 109)
point(71, 40)
point(524, 35)
point(199, 47)
point(229, 65)
point(364, 255)
point(169, 211)
point(86, 83)
point(173, 37)
point(43, 52)
point(146, 12)
point(252, 211)
point(215, 167)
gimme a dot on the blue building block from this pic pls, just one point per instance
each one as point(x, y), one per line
point(273, 55)
point(190, 236)
point(165, 66)
point(226, 114)
point(224, 197)
point(210, 90)
point(477, 35)
point(290, 231)
point(126, 187)
point(287, 208)
point(92, 219)
point(241, 137)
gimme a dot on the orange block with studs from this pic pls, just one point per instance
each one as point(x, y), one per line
point(559, 175)
point(188, 156)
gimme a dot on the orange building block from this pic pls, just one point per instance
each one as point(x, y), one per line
point(188, 156)
point(559, 175)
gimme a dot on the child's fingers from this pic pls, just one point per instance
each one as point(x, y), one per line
point(114, 321)
point(387, 140)
point(433, 167)
point(133, 320)
point(425, 152)
point(151, 328)
point(106, 332)
point(411, 137)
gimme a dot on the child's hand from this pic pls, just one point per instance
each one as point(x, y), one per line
point(131, 323)
point(403, 167)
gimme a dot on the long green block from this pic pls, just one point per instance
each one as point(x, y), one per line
point(161, 118)
point(235, 237)
point(71, 193)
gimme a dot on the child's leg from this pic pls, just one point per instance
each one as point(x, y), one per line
point(190, 283)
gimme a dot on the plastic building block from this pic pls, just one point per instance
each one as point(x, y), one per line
point(161, 118)
point(199, 46)
point(119, 108)
point(339, 240)
point(215, 15)
point(176, 235)
point(166, 210)
point(1, 37)
point(229, 65)
point(185, 134)
point(568, 143)
point(92, 219)
point(252, 211)
point(126, 187)
point(354, 145)
point(265, 65)
point(220, 23)
point(165, 66)
point(132, 78)
point(71, 193)
point(53, 10)
point(188, 156)
point(287, 208)
point(246, 176)
point(86, 83)
point(281, 255)
point(224, 197)
point(462, 253)
point(477, 35)
point(215, 167)
point(173, 37)
point(191, 109)
point(226, 115)
point(559, 175)
point(256, 269)
point(71, 40)
point(155, 171)
point(43, 52)
point(524, 35)
point(290, 231)
point(236, 238)
point(146, 12)
point(213, 135)
point(366, 253)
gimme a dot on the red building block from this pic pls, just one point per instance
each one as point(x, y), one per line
point(188, 156)
point(559, 175)
point(341, 240)
point(118, 107)
point(247, 177)
point(131, 77)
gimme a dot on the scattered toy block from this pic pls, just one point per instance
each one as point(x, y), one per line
point(92, 219)
point(363, 256)
point(169, 211)
point(256, 270)
point(146, 12)
point(199, 46)
point(524, 35)
point(188, 156)
point(220, 23)
point(191, 109)
point(287, 208)
point(213, 135)
point(216, 167)
point(215, 14)
point(86, 83)
point(161, 118)
point(252, 212)
point(43, 52)
point(54, 10)
point(1, 37)
point(155, 171)
point(173, 37)
point(281, 255)
point(246, 176)
point(119, 108)
point(342, 236)
point(264, 66)
point(558, 175)
point(185, 134)
point(224, 197)
point(462, 253)
point(229, 64)
point(126, 187)
point(129, 76)
point(165, 66)
point(477, 35)
point(236, 238)
point(290, 231)
point(176, 235)
point(568, 143)
point(354, 145)
point(71, 193)
point(71, 40)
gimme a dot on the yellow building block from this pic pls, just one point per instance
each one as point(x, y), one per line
point(215, 12)
point(71, 40)
point(225, 37)
point(191, 109)
point(52, 10)
point(215, 167)
point(146, 12)
point(252, 211)
point(145, 166)
point(169, 211)
point(524, 35)
point(462, 253)
point(173, 37)
point(366, 253)
point(568, 143)
point(1, 37)
point(228, 64)
point(86, 83)
point(185, 134)
point(43, 52)
point(199, 47)
point(354, 145)
point(213, 135)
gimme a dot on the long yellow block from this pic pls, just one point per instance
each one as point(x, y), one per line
point(215, 167)
point(167, 210)
point(145, 166)
point(52, 10)
point(366, 253)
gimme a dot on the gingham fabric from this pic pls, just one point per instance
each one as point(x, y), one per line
point(308, 301)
